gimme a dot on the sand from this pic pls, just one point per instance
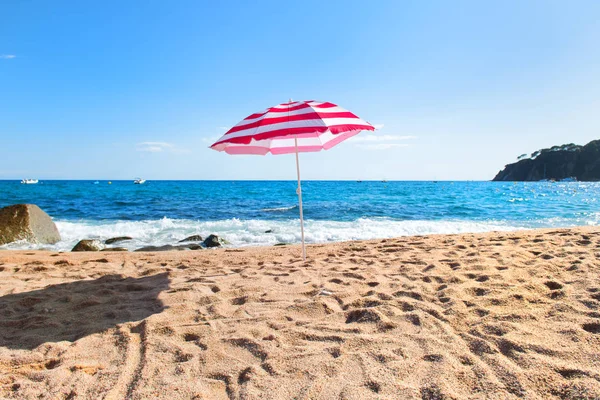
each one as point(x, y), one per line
point(473, 316)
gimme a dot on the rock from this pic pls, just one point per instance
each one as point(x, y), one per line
point(214, 241)
point(117, 239)
point(115, 249)
point(269, 231)
point(281, 244)
point(169, 247)
point(27, 222)
point(558, 162)
point(193, 238)
point(88, 245)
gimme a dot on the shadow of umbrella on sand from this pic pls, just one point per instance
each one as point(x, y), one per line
point(72, 310)
point(293, 127)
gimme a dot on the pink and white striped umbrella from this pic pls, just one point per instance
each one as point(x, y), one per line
point(316, 126)
point(293, 127)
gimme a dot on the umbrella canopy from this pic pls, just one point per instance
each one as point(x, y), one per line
point(292, 127)
point(315, 125)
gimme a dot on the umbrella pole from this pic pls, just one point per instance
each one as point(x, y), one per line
point(299, 192)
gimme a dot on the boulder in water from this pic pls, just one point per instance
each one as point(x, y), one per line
point(214, 241)
point(27, 222)
point(117, 239)
point(193, 238)
point(88, 245)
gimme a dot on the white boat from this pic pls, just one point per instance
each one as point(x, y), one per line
point(139, 181)
point(29, 181)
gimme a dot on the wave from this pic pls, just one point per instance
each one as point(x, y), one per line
point(279, 209)
point(260, 232)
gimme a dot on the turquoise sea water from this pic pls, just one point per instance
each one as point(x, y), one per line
point(266, 212)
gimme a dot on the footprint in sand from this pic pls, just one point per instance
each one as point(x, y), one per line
point(354, 275)
point(373, 386)
point(592, 327)
point(238, 301)
point(433, 357)
point(552, 285)
point(454, 265)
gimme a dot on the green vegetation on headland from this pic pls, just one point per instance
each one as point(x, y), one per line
point(556, 163)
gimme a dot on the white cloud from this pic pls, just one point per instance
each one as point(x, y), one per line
point(154, 147)
point(158, 147)
point(223, 128)
point(211, 139)
point(379, 138)
point(378, 126)
point(7, 56)
point(373, 141)
point(382, 146)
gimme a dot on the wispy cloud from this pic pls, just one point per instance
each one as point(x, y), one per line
point(374, 141)
point(223, 128)
point(378, 126)
point(379, 138)
point(211, 139)
point(158, 147)
point(7, 56)
point(381, 146)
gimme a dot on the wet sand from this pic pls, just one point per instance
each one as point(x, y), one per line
point(473, 316)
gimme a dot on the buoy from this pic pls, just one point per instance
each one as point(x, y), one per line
point(109, 182)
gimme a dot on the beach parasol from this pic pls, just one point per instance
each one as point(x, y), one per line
point(292, 127)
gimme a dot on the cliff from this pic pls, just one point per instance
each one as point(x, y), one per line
point(558, 162)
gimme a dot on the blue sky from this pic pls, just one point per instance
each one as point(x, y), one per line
point(115, 90)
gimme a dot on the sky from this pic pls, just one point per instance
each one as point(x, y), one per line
point(116, 90)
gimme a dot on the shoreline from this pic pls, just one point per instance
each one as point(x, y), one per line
point(253, 246)
point(476, 315)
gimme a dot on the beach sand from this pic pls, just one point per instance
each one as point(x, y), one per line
point(471, 316)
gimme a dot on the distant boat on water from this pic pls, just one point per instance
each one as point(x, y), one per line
point(139, 181)
point(96, 183)
point(29, 181)
point(569, 179)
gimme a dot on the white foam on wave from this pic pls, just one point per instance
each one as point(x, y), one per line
point(256, 232)
point(279, 209)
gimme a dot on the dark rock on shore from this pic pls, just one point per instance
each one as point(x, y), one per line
point(27, 222)
point(210, 241)
point(214, 241)
point(167, 247)
point(170, 247)
point(117, 239)
point(114, 249)
point(89, 245)
point(193, 238)
point(556, 163)
point(269, 231)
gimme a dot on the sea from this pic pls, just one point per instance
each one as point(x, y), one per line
point(262, 213)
